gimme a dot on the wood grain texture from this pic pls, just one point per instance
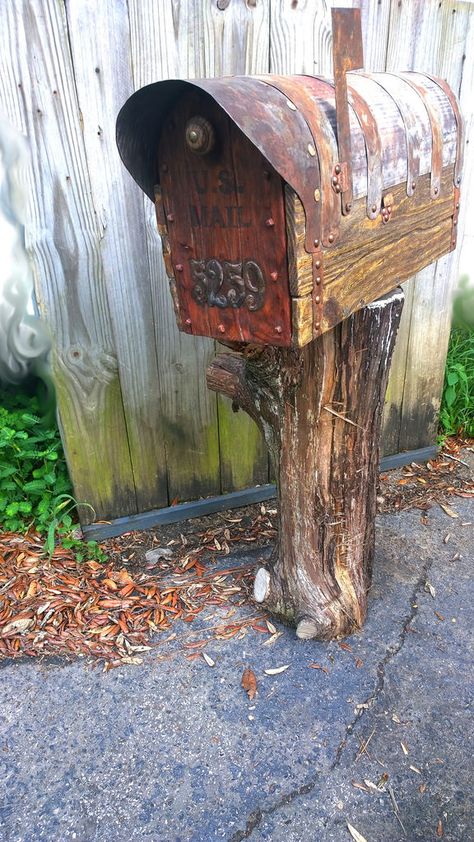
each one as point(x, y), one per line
point(189, 40)
point(431, 37)
point(320, 410)
point(371, 257)
point(230, 264)
point(300, 38)
point(63, 234)
point(428, 37)
point(99, 38)
point(300, 265)
point(72, 234)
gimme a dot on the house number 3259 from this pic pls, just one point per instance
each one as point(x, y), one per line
point(223, 283)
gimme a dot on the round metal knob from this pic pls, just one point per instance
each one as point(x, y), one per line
point(200, 135)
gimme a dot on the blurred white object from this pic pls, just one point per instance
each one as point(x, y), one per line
point(24, 341)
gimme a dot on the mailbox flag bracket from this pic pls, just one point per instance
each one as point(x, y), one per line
point(347, 54)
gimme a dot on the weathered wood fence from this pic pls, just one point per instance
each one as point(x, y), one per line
point(139, 426)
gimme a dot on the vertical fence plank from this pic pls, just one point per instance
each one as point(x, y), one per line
point(300, 37)
point(165, 44)
point(37, 87)
point(100, 43)
point(429, 37)
point(237, 41)
point(172, 40)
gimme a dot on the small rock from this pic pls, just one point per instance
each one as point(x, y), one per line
point(157, 553)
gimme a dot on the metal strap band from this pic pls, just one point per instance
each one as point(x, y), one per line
point(391, 85)
point(436, 134)
point(458, 165)
point(373, 146)
point(324, 149)
point(261, 111)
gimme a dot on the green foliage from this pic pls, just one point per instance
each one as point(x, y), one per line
point(457, 406)
point(35, 490)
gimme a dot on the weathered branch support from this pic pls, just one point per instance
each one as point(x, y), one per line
point(290, 208)
point(319, 409)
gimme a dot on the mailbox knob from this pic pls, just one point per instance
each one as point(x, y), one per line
point(200, 136)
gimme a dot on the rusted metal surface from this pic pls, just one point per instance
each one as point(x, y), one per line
point(405, 136)
point(297, 89)
point(328, 157)
point(373, 147)
point(298, 113)
point(392, 85)
point(318, 291)
point(348, 54)
point(417, 82)
point(225, 219)
point(296, 94)
point(459, 126)
point(263, 113)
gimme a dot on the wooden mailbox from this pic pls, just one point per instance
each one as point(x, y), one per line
point(288, 207)
point(287, 203)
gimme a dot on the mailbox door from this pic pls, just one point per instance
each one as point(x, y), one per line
point(225, 216)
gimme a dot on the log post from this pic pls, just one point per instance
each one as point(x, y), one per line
point(320, 409)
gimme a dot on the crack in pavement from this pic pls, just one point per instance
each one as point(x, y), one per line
point(392, 651)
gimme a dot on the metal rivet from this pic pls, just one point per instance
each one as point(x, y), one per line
point(348, 207)
point(274, 276)
point(291, 105)
point(374, 208)
point(317, 325)
point(170, 217)
point(389, 209)
point(278, 329)
point(458, 180)
point(337, 169)
point(335, 180)
point(457, 205)
point(270, 222)
point(317, 264)
point(316, 243)
point(311, 150)
point(221, 328)
point(455, 222)
point(413, 185)
point(331, 238)
point(188, 321)
point(317, 194)
point(318, 280)
point(317, 299)
point(435, 190)
point(337, 188)
point(179, 267)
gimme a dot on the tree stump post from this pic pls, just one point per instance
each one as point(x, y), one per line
point(320, 409)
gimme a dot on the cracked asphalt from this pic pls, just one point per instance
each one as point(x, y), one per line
point(173, 751)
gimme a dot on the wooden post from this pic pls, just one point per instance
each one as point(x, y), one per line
point(320, 408)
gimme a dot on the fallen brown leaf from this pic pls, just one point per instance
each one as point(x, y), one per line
point(249, 682)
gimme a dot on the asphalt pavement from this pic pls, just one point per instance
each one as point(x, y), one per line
point(174, 750)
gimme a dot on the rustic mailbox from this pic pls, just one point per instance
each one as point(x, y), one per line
point(285, 204)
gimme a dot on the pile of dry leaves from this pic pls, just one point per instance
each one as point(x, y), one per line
point(57, 605)
point(421, 486)
point(115, 612)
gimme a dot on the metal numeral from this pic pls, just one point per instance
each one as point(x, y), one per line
point(227, 284)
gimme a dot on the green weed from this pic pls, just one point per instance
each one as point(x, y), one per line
point(35, 490)
point(457, 406)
